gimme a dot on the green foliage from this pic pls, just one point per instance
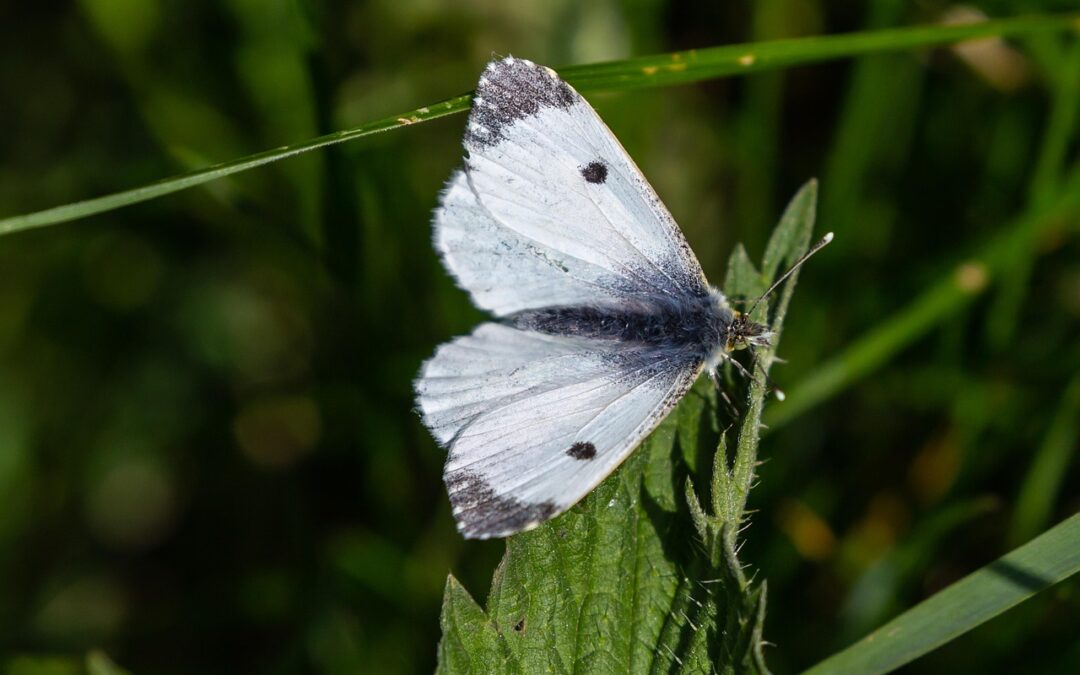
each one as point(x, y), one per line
point(99, 663)
point(208, 456)
point(955, 289)
point(1049, 467)
point(621, 583)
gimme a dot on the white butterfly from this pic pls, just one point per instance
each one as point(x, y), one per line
point(605, 317)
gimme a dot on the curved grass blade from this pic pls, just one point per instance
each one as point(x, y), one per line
point(1008, 581)
point(90, 207)
point(698, 64)
point(649, 71)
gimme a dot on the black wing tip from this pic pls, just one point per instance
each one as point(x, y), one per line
point(512, 89)
point(481, 513)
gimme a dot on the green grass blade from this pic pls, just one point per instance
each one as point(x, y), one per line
point(1043, 482)
point(1043, 562)
point(1061, 129)
point(698, 64)
point(649, 71)
point(167, 186)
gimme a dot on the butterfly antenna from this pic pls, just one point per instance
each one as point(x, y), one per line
point(806, 256)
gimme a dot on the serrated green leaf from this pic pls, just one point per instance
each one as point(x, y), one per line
point(788, 242)
point(637, 577)
point(589, 583)
point(1013, 578)
point(743, 281)
point(792, 234)
point(470, 642)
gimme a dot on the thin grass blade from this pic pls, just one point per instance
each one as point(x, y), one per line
point(1039, 564)
point(649, 71)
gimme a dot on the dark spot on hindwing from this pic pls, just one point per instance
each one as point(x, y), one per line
point(482, 513)
point(595, 172)
point(509, 90)
point(582, 451)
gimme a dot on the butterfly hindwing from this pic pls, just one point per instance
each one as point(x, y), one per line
point(534, 422)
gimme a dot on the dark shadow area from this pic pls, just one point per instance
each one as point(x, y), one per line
point(1020, 576)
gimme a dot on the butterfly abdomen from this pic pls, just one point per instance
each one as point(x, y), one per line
point(696, 325)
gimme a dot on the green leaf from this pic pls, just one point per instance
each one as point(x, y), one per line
point(594, 589)
point(743, 280)
point(788, 242)
point(1039, 564)
point(638, 576)
point(649, 71)
point(470, 642)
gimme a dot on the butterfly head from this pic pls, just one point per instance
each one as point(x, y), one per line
point(743, 333)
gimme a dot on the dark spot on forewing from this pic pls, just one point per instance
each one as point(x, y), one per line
point(582, 451)
point(595, 172)
point(482, 513)
point(519, 627)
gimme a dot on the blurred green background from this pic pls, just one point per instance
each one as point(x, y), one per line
point(209, 460)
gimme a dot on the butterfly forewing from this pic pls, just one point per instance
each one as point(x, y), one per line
point(554, 182)
point(506, 272)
